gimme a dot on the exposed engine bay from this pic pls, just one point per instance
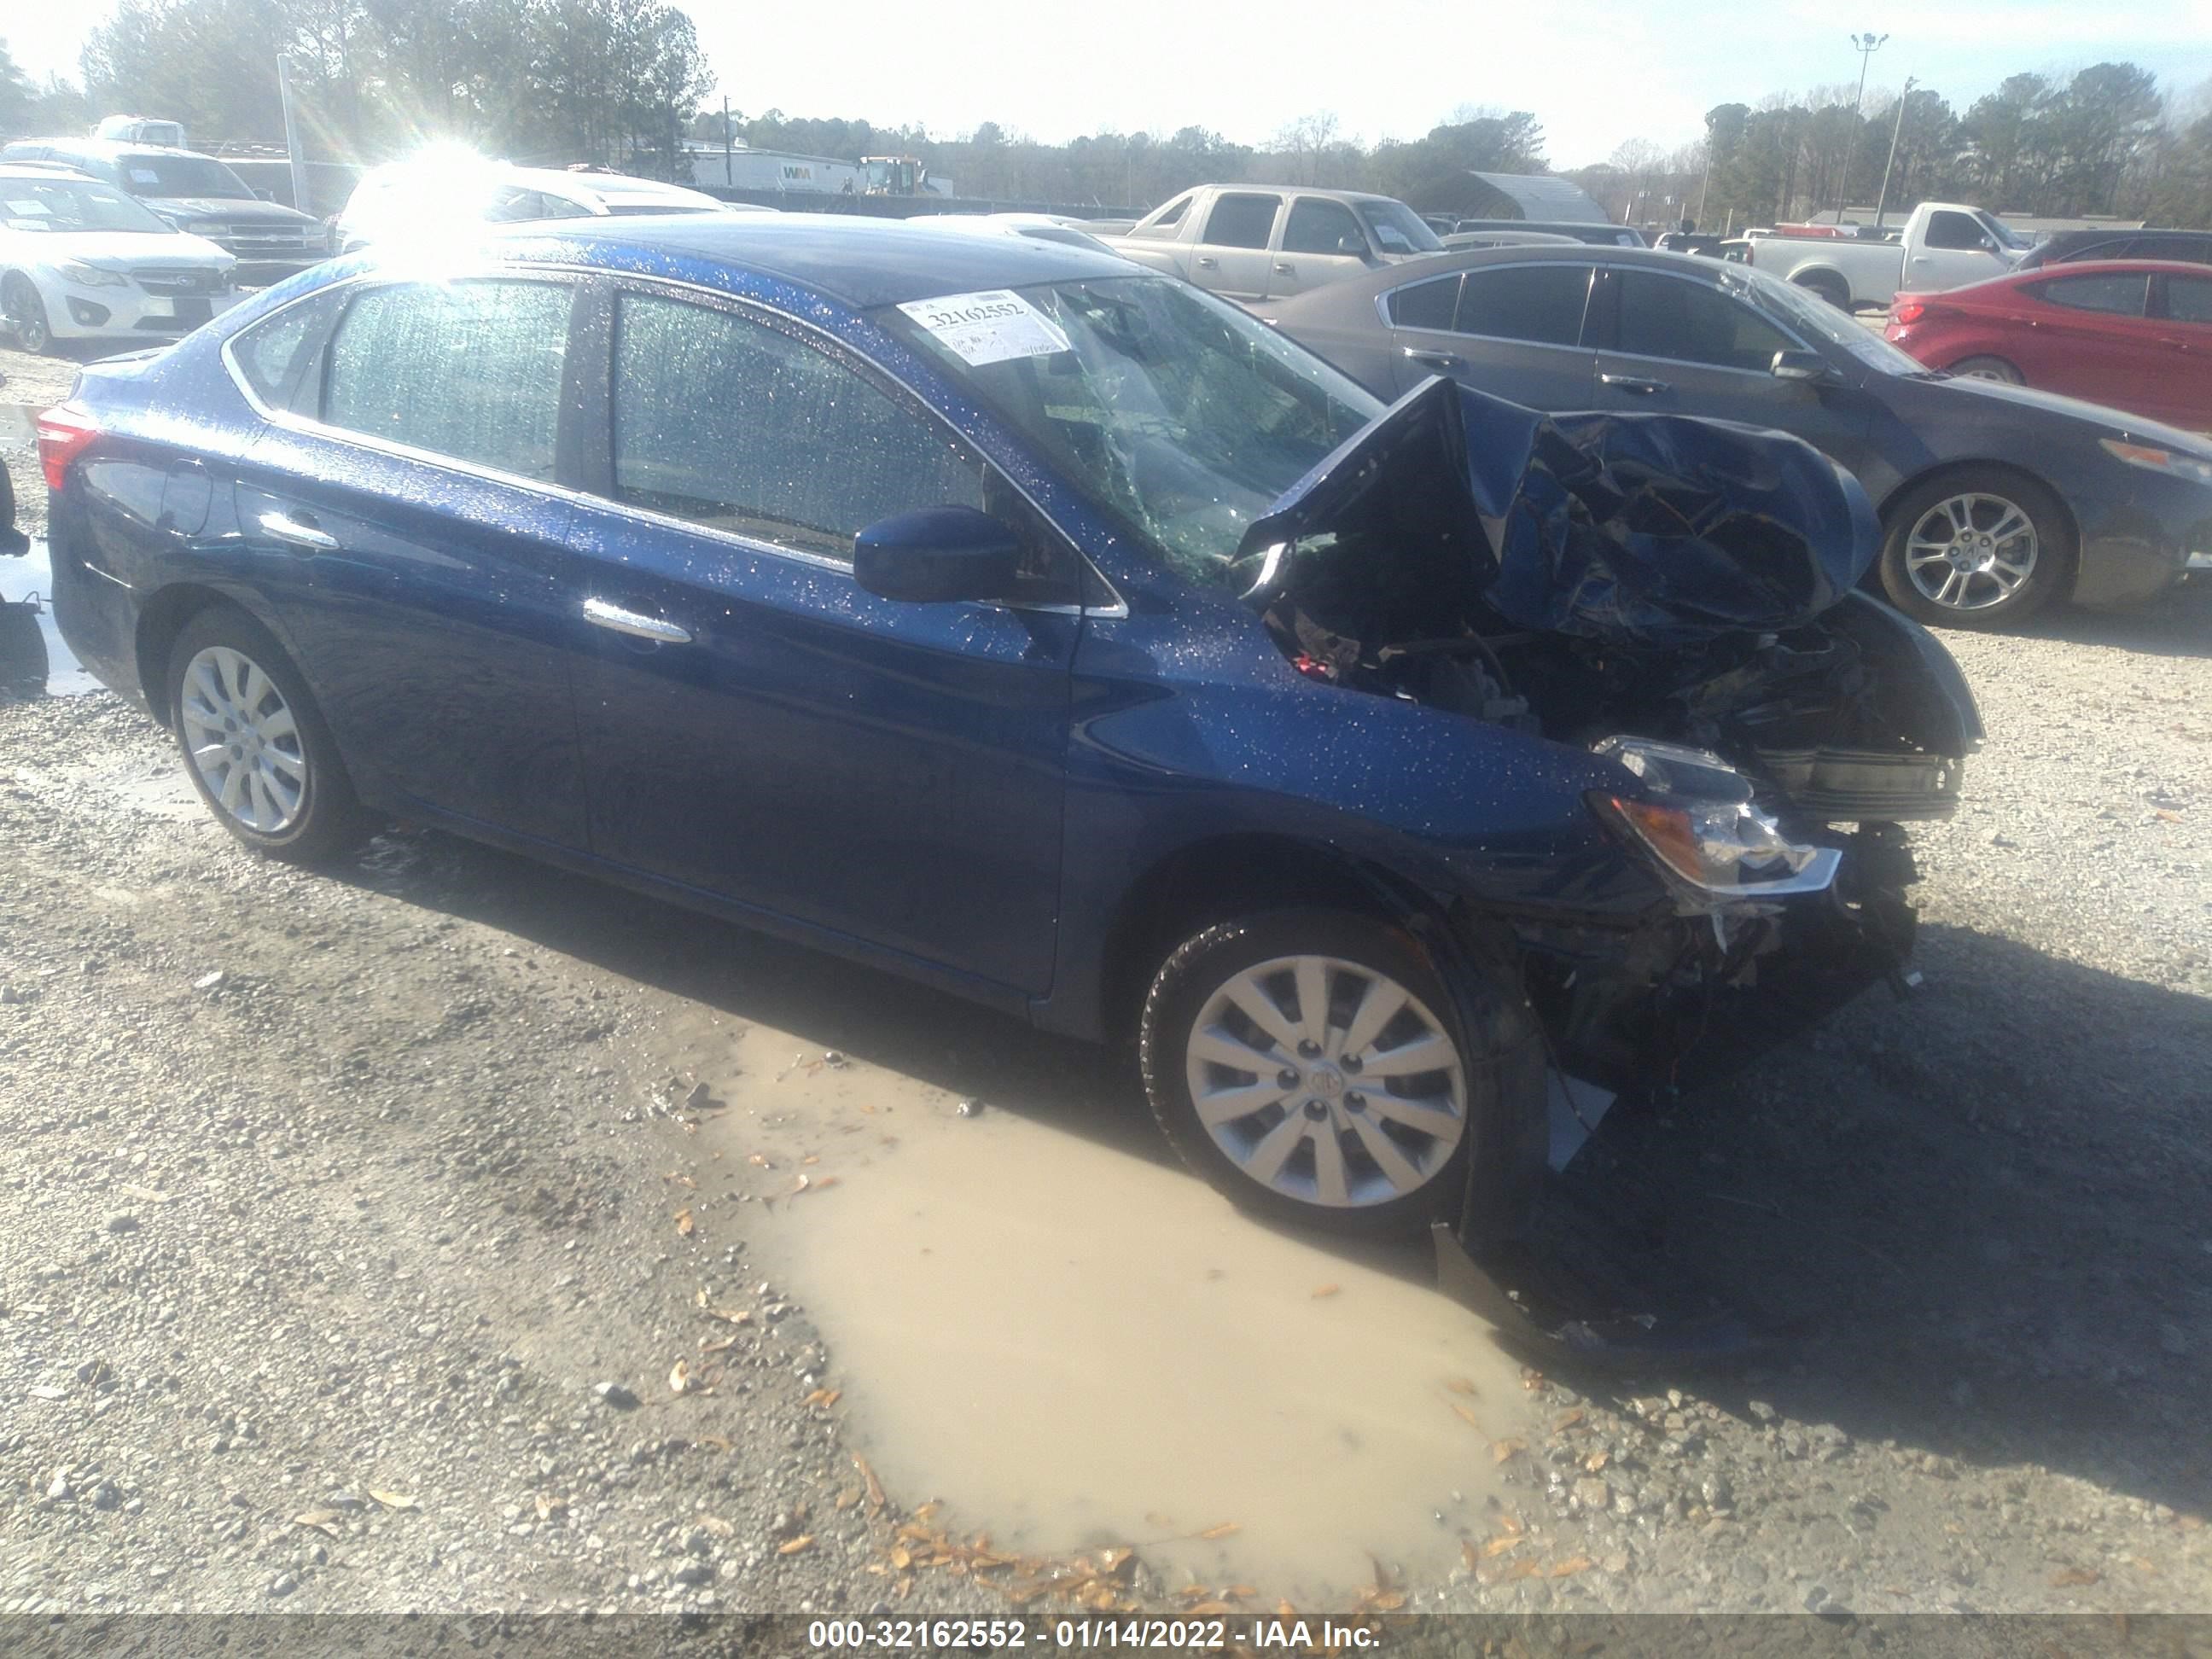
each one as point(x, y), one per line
point(1583, 577)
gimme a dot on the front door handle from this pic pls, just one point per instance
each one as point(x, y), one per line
point(1443, 363)
point(1634, 383)
point(604, 614)
point(300, 530)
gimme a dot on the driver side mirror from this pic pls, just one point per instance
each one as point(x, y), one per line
point(1354, 245)
point(936, 555)
point(1799, 366)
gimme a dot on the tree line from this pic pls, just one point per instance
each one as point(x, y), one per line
point(621, 82)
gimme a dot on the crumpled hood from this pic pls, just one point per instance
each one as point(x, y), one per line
point(1653, 530)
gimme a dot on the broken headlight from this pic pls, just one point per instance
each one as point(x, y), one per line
point(1699, 825)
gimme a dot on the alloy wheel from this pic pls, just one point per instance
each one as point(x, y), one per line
point(1326, 1081)
point(1969, 552)
point(245, 740)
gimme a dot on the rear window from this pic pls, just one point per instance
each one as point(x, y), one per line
point(1541, 304)
point(2188, 299)
point(2117, 293)
point(471, 370)
point(1241, 221)
point(1432, 304)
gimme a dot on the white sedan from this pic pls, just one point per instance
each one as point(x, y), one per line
point(436, 194)
point(79, 260)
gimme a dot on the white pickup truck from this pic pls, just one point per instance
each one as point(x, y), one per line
point(1249, 242)
point(1943, 244)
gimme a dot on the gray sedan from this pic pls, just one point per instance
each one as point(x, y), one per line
point(1994, 499)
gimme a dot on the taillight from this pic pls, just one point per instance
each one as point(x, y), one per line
point(1907, 312)
point(65, 432)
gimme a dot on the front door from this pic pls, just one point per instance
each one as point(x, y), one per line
point(1322, 242)
point(438, 615)
point(1233, 256)
point(758, 727)
point(1953, 250)
point(2186, 319)
point(1513, 331)
point(1678, 346)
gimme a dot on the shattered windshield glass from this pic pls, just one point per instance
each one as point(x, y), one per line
point(1171, 410)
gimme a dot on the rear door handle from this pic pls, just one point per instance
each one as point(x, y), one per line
point(1635, 383)
point(1207, 262)
point(1443, 363)
point(1285, 268)
point(604, 613)
point(298, 530)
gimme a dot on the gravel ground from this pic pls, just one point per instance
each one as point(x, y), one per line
point(334, 1198)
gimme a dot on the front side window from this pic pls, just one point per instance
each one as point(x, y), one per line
point(468, 370)
point(1317, 225)
point(1666, 316)
point(728, 422)
point(1432, 304)
point(1541, 304)
point(1242, 220)
point(2115, 292)
point(1175, 413)
point(1955, 231)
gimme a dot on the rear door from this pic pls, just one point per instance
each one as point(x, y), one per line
point(2183, 305)
point(411, 473)
point(1678, 346)
point(1322, 242)
point(1516, 332)
point(2090, 338)
point(758, 727)
point(1234, 252)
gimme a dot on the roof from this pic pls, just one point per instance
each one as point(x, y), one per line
point(1546, 196)
point(864, 263)
point(115, 149)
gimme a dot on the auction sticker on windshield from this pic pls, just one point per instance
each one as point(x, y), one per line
point(989, 327)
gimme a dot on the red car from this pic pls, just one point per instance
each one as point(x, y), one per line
point(2131, 334)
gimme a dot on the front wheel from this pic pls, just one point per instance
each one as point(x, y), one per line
point(26, 315)
point(1979, 549)
point(254, 744)
point(1988, 368)
point(1309, 1064)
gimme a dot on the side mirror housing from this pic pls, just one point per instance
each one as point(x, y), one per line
point(1799, 366)
point(936, 555)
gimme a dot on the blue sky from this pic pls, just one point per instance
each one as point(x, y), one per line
point(1596, 72)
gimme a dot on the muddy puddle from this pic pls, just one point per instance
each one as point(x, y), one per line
point(1072, 1344)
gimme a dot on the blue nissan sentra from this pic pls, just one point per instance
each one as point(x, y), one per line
point(998, 613)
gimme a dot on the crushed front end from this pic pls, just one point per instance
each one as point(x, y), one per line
point(1680, 597)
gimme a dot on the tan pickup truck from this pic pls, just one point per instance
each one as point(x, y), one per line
point(1250, 242)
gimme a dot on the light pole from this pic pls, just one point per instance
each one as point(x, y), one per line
point(1866, 45)
point(1881, 201)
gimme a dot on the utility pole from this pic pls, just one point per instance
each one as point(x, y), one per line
point(1704, 189)
point(1881, 201)
point(292, 136)
point(1866, 45)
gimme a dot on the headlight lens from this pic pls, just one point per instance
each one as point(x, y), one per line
point(2158, 460)
point(1702, 827)
point(85, 275)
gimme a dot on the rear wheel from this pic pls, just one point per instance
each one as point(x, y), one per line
point(26, 315)
point(1309, 1064)
point(1988, 368)
point(1833, 289)
point(254, 744)
point(1979, 548)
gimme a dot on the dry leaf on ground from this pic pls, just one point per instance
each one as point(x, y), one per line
point(1222, 1531)
point(875, 1499)
point(323, 1520)
point(1502, 1450)
point(792, 1546)
point(1325, 1290)
point(683, 1222)
point(1461, 1385)
point(2069, 1578)
point(393, 1500)
point(1467, 1415)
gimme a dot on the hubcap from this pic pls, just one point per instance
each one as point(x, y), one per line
point(1970, 552)
point(244, 740)
point(1271, 1062)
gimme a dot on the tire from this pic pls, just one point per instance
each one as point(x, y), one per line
point(1837, 293)
point(1979, 548)
point(1394, 1169)
point(271, 775)
point(1987, 368)
point(27, 315)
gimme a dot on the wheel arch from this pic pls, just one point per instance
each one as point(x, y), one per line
point(164, 615)
point(1959, 466)
point(1212, 880)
